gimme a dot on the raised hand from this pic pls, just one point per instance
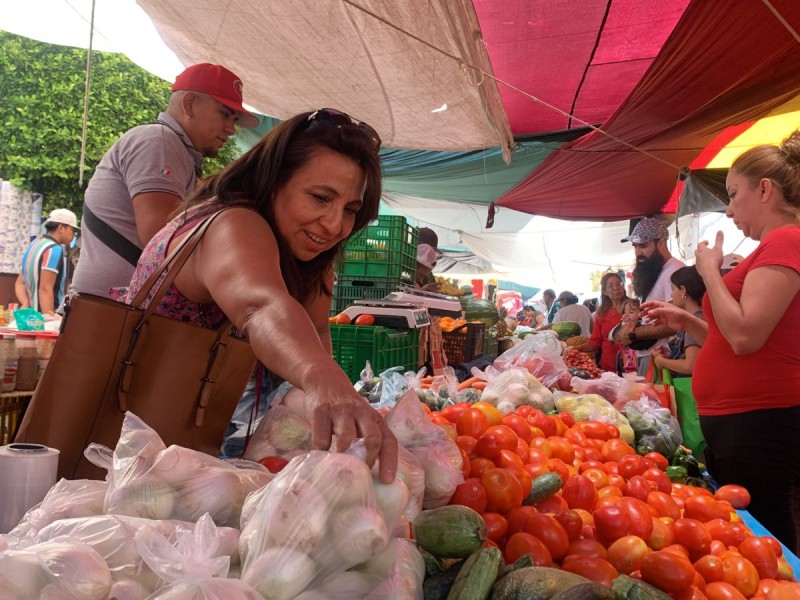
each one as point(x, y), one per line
point(708, 259)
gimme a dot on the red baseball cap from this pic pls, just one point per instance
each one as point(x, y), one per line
point(219, 83)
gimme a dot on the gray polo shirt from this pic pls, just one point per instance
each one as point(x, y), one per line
point(147, 158)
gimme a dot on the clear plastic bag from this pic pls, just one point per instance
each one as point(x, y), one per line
point(514, 387)
point(113, 538)
point(191, 567)
point(317, 518)
point(655, 428)
point(617, 390)
point(282, 432)
point(540, 355)
point(59, 569)
point(369, 385)
point(67, 499)
point(438, 454)
point(175, 482)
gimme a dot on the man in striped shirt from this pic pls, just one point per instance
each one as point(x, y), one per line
point(40, 285)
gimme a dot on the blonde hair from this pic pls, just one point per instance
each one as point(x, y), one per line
point(780, 164)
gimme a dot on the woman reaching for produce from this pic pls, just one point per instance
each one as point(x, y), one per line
point(746, 380)
point(607, 316)
point(266, 262)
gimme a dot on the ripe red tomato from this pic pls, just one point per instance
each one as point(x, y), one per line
point(467, 444)
point(365, 320)
point(723, 531)
point(524, 478)
point(783, 590)
point(341, 319)
point(471, 422)
point(550, 531)
point(719, 590)
point(704, 508)
point(489, 410)
point(495, 439)
point(567, 419)
point(520, 426)
point(586, 548)
point(740, 573)
point(614, 449)
point(692, 534)
point(274, 464)
point(659, 460)
point(667, 571)
point(518, 518)
point(657, 476)
point(709, 567)
point(471, 494)
point(503, 490)
point(479, 466)
point(579, 492)
point(522, 543)
point(452, 412)
point(466, 464)
point(630, 465)
point(640, 488)
point(737, 495)
point(572, 523)
point(554, 505)
point(538, 419)
point(662, 535)
point(594, 569)
point(496, 526)
point(612, 522)
point(626, 553)
point(562, 449)
point(639, 516)
point(664, 504)
point(523, 451)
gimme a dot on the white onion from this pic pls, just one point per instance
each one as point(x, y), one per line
point(279, 573)
point(148, 497)
point(392, 499)
point(358, 534)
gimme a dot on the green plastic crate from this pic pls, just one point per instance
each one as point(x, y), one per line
point(349, 288)
point(385, 248)
point(383, 347)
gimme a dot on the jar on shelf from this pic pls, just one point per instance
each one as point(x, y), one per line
point(8, 350)
point(45, 342)
point(27, 362)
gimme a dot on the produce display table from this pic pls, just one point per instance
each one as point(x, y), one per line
point(759, 530)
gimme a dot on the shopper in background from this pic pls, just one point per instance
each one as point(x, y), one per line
point(688, 289)
point(606, 318)
point(426, 261)
point(551, 306)
point(572, 311)
point(654, 265)
point(41, 282)
point(292, 201)
point(746, 380)
point(147, 172)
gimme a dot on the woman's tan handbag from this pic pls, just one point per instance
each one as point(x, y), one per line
point(183, 380)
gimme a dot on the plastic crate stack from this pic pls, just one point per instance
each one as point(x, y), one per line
point(376, 262)
point(383, 347)
point(464, 344)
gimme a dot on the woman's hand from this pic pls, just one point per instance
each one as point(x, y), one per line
point(709, 259)
point(337, 409)
point(664, 313)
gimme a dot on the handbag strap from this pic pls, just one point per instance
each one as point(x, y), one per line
point(173, 264)
point(112, 238)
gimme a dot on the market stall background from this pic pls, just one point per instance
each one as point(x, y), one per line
point(479, 106)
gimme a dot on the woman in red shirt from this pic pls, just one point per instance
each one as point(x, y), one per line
point(607, 316)
point(746, 380)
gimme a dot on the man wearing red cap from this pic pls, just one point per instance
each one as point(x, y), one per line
point(148, 171)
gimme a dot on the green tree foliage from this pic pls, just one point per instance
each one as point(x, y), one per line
point(41, 114)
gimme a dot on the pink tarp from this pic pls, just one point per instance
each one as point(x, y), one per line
point(718, 68)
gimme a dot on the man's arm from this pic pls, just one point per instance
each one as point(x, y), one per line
point(152, 211)
point(47, 281)
point(21, 291)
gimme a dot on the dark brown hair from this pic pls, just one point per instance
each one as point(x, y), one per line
point(605, 299)
point(256, 176)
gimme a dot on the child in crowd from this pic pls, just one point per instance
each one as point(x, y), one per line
point(628, 360)
point(688, 289)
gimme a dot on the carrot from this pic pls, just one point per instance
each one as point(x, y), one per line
point(480, 385)
point(467, 383)
point(425, 386)
point(428, 379)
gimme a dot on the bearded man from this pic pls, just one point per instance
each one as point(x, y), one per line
point(654, 266)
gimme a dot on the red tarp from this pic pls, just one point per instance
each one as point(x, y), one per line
point(721, 66)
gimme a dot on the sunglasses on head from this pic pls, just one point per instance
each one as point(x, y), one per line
point(336, 118)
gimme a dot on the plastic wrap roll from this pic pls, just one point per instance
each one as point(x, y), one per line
point(27, 472)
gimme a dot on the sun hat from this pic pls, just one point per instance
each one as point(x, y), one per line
point(426, 256)
point(63, 216)
point(647, 230)
point(219, 83)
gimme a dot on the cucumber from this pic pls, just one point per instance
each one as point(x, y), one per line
point(449, 531)
point(477, 576)
point(526, 560)
point(436, 587)
point(433, 565)
point(585, 591)
point(543, 487)
point(535, 583)
point(628, 588)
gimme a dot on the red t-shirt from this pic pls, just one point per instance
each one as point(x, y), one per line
point(602, 327)
point(724, 383)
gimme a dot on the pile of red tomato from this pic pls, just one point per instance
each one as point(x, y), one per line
point(616, 512)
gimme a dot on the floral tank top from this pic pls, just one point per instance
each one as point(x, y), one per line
point(174, 304)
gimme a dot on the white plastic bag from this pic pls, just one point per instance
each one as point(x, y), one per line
point(282, 432)
point(514, 387)
point(191, 567)
point(437, 453)
point(317, 518)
